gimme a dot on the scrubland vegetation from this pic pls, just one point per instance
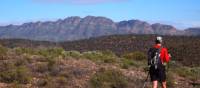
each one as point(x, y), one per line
point(59, 67)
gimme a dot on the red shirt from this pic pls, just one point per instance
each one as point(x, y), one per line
point(164, 56)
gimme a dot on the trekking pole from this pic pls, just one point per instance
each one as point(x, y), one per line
point(146, 80)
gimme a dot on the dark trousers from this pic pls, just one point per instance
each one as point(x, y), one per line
point(158, 74)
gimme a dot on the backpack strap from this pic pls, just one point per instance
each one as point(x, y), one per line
point(157, 59)
point(159, 50)
point(150, 55)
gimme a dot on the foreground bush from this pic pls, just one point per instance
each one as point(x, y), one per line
point(170, 79)
point(15, 74)
point(108, 79)
point(191, 73)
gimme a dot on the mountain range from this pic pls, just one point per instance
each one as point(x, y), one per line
point(75, 28)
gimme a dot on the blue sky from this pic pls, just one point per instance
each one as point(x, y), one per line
point(180, 13)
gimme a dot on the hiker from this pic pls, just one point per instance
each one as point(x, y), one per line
point(158, 57)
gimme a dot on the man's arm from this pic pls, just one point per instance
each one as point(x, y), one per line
point(166, 56)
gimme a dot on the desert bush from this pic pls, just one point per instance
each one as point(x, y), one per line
point(62, 80)
point(100, 57)
point(46, 82)
point(16, 85)
point(21, 50)
point(42, 82)
point(51, 62)
point(15, 74)
point(3, 51)
point(188, 72)
point(52, 55)
point(73, 54)
point(8, 72)
point(55, 70)
point(53, 66)
point(49, 82)
point(50, 52)
point(41, 67)
point(23, 75)
point(109, 56)
point(137, 55)
point(20, 61)
point(108, 53)
point(170, 79)
point(108, 79)
point(93, 55)
point(126, 63)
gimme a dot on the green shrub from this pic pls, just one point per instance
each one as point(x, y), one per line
point(53, 66)
point(15, 74)
point(108, 53)
point(108, 79)
point(51, 62)
point(93, 55)
point(73, 54)
point(8, 72)
point(51, 52)
point(21, 50)
point(23, 75)
point(109, 56)
point(16, 85)
point(21, 62)
point(62, 80)
point(3, 51)
point(97, 56)
point(188, 72)
point(42, 82)
point(137, 55)
point(52, 82)
point(126, 63)
point(41, 67)
point(170, 79)
point(46, 82)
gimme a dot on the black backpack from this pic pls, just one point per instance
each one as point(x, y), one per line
point(154, 57)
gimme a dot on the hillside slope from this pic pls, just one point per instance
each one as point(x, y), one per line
point(184, 49)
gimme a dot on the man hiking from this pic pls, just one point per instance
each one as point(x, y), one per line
point(157, 58)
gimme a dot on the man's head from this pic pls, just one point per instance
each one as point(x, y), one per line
point(158, 40)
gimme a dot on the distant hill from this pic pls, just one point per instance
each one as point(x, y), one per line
point(193, 31)
point(75, 28)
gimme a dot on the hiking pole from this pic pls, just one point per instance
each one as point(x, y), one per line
point(146, 80)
